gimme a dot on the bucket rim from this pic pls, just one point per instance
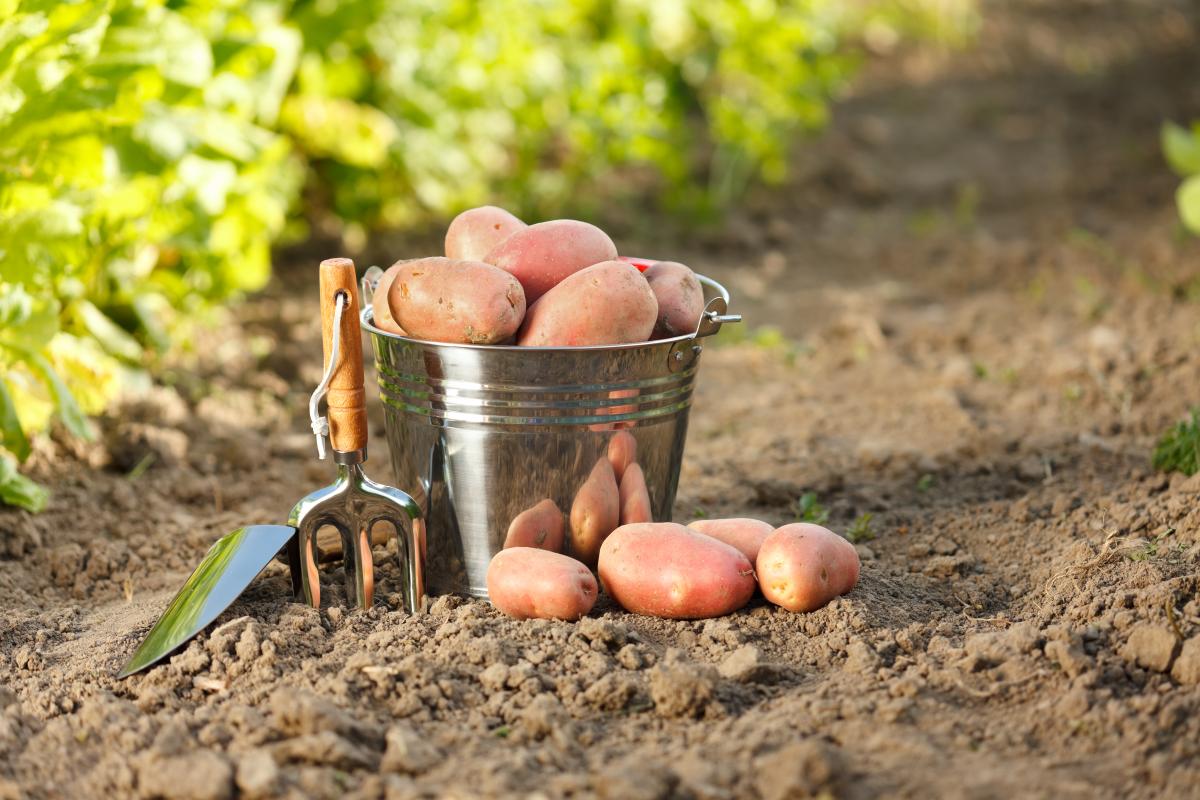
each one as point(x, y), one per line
point(366, 320)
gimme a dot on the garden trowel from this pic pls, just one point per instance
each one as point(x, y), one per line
point(353, 504)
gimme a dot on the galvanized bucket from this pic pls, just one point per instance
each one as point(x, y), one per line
point(480, 433)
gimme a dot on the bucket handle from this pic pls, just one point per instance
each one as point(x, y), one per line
point(684, 353)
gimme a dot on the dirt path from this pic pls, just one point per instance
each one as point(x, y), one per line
point(987, 313)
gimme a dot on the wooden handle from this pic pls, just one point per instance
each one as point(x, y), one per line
point(347, 400)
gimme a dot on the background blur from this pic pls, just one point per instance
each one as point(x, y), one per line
point(152, 154)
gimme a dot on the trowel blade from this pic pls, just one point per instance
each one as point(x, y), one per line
point(230, 566)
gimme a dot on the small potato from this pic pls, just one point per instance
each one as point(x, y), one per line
point(635, 496)
point(473, 233)
point(680, 298)
point(595, 511)
point(528, 583)
point(746, 534)
point(542, 255)
point(622, 451)
point(665, 570)
point(466, 302)
point(802, 566)
point(381, 314)
point(539, 526)
point(607, 303)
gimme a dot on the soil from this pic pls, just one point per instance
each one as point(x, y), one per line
point(984, 312)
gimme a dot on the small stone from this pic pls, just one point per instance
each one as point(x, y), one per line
point(1069, 657)
point(743, 665)
point(945, 546)
point(1151, 646)
point(1187, 665)
point(803, 769)
point(680, 690)
point(408, 752)
point(861, 658)
point(257, 774)
point(864, 553)
point(198, 775)
point(1031, 468)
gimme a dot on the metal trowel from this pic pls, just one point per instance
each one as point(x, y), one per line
point(353, 504)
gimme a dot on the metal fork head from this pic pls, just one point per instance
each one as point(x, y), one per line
point(353, 504)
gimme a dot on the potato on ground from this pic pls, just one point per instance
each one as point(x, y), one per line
point(465, 302)
point(529, 583)
point(538, 526)
point(475, 232)
point(680, 298)
point(746, 534)
point(802, 566)
point(595, 512)
point(635, 496)
point(607, 303)
point(381, 314)
point(622, 451)
point(542, 255)
point(666, 570)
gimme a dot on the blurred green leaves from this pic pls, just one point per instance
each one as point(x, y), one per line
point(1181, 146)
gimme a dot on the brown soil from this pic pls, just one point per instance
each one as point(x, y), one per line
point(988, 313)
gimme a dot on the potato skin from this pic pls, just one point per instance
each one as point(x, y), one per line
point(542, 255)
point(680, 298)
point(635, 496)
point(742, 533)
point(538, 526)
point(802, 566)
point(622, 451)
point(475, 232)
point(662, 569)
point(381, 314)
point(606, 303)
point(465, 302)
point(528, 583)
point(595, 512)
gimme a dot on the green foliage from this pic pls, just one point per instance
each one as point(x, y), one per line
point(1179, 448)
point(809, 509)
point(1182, 149)
point(861, 530)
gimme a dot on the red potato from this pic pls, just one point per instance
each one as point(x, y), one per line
point(595, 511)
point(802, 566)
point(475, 232)
point(465, 302)
point(528, 583)
point(622, 451)
point(607, 303)
point(542, 255)
point(539, 526)
point(663, 569)
point(635, 496)
point(743, 533)
point(381, 314)
point(680, 298)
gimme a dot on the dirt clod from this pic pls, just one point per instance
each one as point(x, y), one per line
point(803, 769)
point(1152, 647)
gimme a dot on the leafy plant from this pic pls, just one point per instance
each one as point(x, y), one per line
point(861, 530)
point(1182, 149)
point(809, 509)
point(1178, 450)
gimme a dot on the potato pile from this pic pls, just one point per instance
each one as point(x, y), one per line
point(552, 284)
point(707, 569)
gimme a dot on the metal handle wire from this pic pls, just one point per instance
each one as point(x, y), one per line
point(320, 424)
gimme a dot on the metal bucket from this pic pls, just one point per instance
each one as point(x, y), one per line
point(480, 433)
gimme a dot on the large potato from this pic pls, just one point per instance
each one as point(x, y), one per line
point(542, 255)
point(466, 302)
point(381, 314)
point(746, 534)
point(680, 298)
point(665, 570)
point(635, 496)
point(607, 303)
point(539, 526)
point(802, 566)
point(595, 511)
point(528, 583)
point(475, 232)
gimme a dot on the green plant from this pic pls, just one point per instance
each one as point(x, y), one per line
point(809, 509)
point(861, 530)
point(1181, 146)
point(1178, 450)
